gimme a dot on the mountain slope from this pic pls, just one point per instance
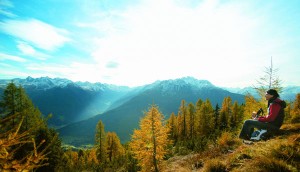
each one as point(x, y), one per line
point(68, 101)
point(280, 153)
point(166, 94)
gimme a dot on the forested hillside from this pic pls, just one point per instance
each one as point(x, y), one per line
point(125, 118)
point(198, 136)
point(68, 101)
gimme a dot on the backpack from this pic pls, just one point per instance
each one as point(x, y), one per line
point(279, 119)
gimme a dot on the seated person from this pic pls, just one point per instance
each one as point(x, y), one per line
point(272, 122)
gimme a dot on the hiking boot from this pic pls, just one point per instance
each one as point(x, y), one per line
point(258, 135)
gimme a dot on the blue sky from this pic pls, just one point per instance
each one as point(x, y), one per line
point(137, 42)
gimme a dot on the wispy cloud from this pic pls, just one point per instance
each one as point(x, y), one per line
point(11, 57)
point(36, 33)
point(28, 50)
point(6, 13)
point(6, 3)
point(4, 8)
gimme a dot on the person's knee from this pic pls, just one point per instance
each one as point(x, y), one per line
point(247, 122)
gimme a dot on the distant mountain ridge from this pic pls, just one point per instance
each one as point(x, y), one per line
point(125, 118)
point(45, 83)
point(78, 106)
point(68, 101)
point(288, 93)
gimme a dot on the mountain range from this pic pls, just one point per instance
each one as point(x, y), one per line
point(77, 107)
point(68, 101)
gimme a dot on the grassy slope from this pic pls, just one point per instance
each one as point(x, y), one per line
point(280, 153)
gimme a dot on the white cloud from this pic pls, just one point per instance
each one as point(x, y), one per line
point(227, 43)
point(37, 33)
point(163, 40)
point(11, 57)
point(76, 71)
point(28, 50)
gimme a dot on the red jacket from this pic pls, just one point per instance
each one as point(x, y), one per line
point(273, 111)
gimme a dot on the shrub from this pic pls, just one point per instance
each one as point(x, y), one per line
point(226, 141)
point(270, 164)
point(214, 165)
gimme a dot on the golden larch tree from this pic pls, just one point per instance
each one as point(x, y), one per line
point(183, 113)
point(206, 121)
point(149, 143)
point(296, 110)
point(114, 146)
point(191, 114)
point(234, 118)
point(251, 104)
point(172, 125)
point(226, 112)
point(101, 142)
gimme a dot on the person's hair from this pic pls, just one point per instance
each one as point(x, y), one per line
point(273, 92)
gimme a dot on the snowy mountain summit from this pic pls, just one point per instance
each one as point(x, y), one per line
point(45, 83)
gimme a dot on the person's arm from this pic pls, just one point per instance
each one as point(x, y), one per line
point(273, 112)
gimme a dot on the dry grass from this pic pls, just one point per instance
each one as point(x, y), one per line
point(281, 153)
point(183, 163)
point(227, 141)
point(214, 165)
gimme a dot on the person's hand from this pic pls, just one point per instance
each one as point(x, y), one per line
point(254, 115)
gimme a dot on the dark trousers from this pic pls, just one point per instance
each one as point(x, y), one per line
point(249, 126)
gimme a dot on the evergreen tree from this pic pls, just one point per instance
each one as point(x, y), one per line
point(9, 102)
point(17, 104)
point(149, 143)
point(52, 144)
point(9, 105)
point(19, 109)
point(217, 115)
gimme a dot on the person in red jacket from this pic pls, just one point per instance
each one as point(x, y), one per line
point(272, 122)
